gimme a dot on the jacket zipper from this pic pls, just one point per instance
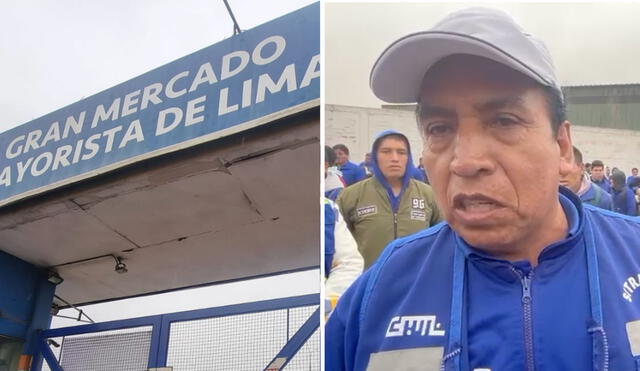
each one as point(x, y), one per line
point(528, 318)
point(395, 225)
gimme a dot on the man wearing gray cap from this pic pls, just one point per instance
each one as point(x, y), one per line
point(522, 276)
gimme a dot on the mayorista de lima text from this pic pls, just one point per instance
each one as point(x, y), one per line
point(106, 129)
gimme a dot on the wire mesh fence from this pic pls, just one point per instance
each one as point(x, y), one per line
point(308, 357)
point(236, 342)
point(122, 350)
point(242, 342)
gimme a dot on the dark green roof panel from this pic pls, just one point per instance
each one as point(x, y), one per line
point(608, 106)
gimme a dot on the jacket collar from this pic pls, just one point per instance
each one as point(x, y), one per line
point(551, 257)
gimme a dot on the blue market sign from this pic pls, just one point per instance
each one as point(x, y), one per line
point(267, 72)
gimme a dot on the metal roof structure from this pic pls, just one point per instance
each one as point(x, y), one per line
point(200, 171)
point(606, 106)
point(238, 208)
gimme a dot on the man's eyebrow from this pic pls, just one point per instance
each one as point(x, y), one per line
point(500, 103)
point(426, 110)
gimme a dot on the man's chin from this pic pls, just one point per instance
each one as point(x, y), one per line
point(491, 240)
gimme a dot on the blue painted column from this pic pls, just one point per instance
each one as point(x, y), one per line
point(25, 302)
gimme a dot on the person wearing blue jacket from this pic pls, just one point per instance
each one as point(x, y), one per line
point(634, 174)
point(522, 275)
point(366, 165)
point(351, 172)
point(598, 176)
point(342, 261)
point(624, 200)
point(417, 174)
point(578, 181)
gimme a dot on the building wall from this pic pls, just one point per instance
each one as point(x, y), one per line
point(615, 147)
point(356, 127)
point(604, 106)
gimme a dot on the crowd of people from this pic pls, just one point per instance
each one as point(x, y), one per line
point(527, 271)
point(604, 187)
point(386, 197)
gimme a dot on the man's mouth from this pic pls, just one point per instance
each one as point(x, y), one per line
point(475, 203)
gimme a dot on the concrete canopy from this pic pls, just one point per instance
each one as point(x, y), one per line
point(237, 207)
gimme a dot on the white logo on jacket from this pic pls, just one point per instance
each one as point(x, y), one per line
point(629, 286)
point(410, 325)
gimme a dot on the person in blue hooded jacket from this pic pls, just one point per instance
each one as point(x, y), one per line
point(624, 200)
point(351, 172)
point(522, 276)
point(390, 204)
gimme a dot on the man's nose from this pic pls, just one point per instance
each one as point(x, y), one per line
point(471, 152)
point(397, 156)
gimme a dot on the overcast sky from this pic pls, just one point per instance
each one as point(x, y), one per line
point(591, 43)
point(54, 53)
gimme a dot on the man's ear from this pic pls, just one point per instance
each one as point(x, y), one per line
point(563, 138)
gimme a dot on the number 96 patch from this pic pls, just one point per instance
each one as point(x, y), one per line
point(417, 203)
point(417, 209)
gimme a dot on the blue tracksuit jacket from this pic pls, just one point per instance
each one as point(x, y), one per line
point(352, 173)
point(597, 196)
point(431, 296)
point(604, 183)
point(624, 201)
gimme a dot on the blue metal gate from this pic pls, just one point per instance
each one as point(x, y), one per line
point(278, 334)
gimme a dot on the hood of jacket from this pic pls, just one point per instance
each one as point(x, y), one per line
point(377, 173)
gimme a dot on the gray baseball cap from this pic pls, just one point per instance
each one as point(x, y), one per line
point(397, 75)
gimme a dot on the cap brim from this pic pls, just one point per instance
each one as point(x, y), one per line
point(397, 75)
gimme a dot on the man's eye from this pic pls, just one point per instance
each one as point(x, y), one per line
point(438, 129)
point(505, 121)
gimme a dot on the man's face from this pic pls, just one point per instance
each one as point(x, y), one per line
point(367, 158)
point(597, 172)
point(493, 160)
point(634, 172)
point(392, 158)
point(573, 178)
point(617, 184)
point(341, 157)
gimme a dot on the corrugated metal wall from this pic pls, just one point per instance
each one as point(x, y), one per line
point(605, 106)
